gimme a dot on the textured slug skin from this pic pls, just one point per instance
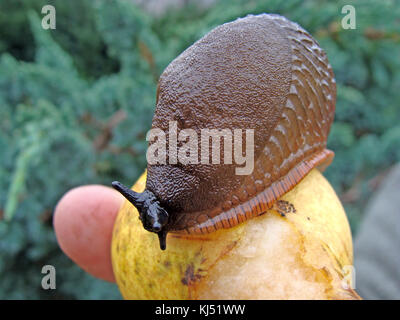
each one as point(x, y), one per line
point(261, 72)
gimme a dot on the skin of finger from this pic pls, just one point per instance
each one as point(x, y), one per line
point(83, 223)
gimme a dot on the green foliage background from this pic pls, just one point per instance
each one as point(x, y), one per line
point(76, 102)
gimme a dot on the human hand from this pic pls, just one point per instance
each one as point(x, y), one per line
point(83, 223)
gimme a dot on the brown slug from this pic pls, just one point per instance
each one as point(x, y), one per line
point(260, 72)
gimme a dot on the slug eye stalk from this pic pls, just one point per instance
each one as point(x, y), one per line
point(153, 216)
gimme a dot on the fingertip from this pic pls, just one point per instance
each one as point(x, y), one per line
point(83, 222)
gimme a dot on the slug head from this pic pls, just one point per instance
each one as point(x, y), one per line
point(153, 216)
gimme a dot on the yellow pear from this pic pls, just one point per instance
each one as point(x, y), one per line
point(306, 253)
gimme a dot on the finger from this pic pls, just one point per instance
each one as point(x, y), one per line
point(83, 222)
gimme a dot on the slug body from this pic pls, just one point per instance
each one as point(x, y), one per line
point(263, 73)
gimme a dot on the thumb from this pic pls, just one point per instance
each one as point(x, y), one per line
point(83, 223)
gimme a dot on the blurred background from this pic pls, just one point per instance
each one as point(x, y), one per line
point(77, 101)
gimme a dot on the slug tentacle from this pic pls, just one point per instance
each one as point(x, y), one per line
point(153, 216)
point(133, 197)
